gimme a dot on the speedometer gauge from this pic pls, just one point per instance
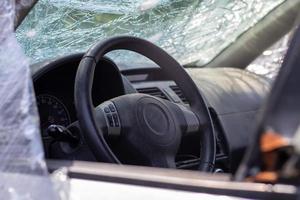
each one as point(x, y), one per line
point(52, 111)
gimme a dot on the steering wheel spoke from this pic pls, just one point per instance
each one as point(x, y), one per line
point(108, 116)
point(191, 123)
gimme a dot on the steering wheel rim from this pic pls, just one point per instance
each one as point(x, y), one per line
point(169, 67)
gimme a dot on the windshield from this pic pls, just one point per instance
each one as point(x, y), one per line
point(190, 30)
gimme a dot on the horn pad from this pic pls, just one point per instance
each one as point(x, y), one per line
point(156, 121)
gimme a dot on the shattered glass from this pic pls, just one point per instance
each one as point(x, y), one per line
point(23, 172)
point(268, 64)
point(190, 30)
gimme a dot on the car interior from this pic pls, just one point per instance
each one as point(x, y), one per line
point(214, 108)
point(139, 94)
point(54, 87)
point(161, 114)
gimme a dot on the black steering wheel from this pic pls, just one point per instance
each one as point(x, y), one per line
point(147, 126)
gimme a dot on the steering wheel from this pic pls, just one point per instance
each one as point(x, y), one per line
point(148, 127)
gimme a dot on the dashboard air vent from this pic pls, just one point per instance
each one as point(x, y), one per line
point(154, 91)
point(179, 93)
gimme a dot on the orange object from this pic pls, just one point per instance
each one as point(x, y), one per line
point(266, 177)
point(271, 141)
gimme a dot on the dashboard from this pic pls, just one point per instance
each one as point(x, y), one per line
point(232, 112)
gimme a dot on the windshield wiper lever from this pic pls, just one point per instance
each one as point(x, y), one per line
point(61, 133)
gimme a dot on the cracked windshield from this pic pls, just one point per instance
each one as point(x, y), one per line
point(192, 31)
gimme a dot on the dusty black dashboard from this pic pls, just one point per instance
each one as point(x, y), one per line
point(54, 88)
point(233, 97)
